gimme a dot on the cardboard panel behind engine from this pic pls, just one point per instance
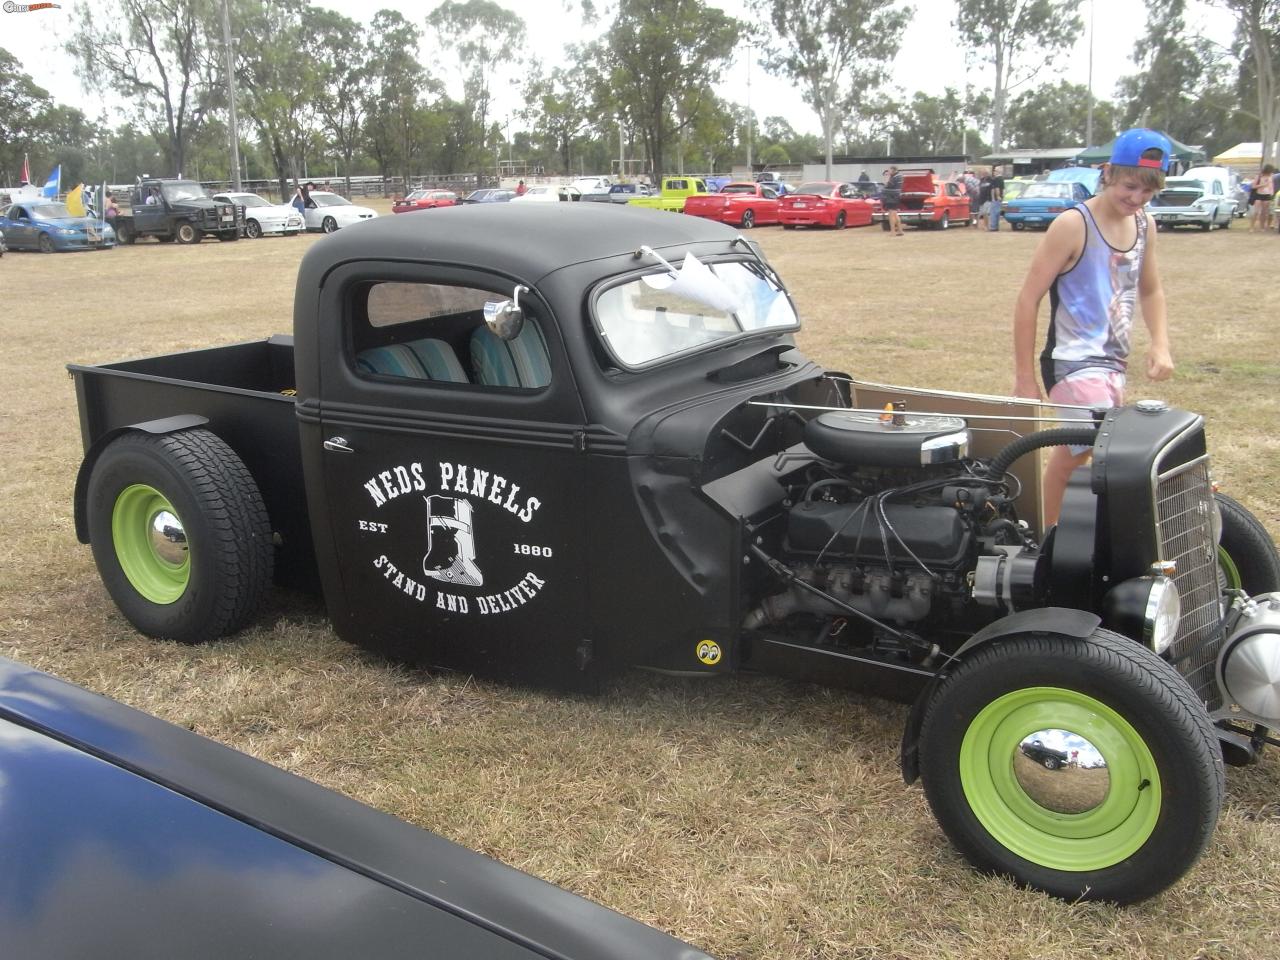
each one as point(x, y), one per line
point(989, 436)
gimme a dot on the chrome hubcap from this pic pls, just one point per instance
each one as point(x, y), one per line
point(168, 538)
point(1061, 771)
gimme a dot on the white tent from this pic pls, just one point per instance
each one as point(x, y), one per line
point(1243, 157)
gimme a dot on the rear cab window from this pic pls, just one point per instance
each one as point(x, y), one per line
point(435, 333)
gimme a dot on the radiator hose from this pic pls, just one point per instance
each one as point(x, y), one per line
point(1057, 437)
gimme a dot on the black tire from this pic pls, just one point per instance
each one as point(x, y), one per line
point(125, 233)
point(1207, 226)
point(252, 229)
point(1246, 554)
point(748, 219)
point(328, 225)
point(1163, 768)
point(1018, 226)
point(841, 220)
point(1051, 763)
point(945, 222)
point(213, 567)
point(187, 232)
point(45, 243)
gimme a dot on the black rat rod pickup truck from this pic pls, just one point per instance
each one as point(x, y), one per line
point(549, 447)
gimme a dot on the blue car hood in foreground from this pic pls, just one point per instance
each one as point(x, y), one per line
point(124, 836)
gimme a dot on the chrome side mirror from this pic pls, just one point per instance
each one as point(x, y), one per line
point(504, 318)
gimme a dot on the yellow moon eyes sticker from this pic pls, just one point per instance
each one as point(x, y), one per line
point(709, 652)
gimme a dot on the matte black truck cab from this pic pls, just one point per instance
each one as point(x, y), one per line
point(548, 448)
point(180, 210)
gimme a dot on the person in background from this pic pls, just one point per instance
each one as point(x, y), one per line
point(984, 195)
point(1263, 194)
point(1098, 264)
point(997, 198)
point(306, 195)
point(113, 208)
point(520, 188)
point(300, 200)
point(891, 199)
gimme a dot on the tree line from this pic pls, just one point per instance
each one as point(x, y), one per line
point(319, 94)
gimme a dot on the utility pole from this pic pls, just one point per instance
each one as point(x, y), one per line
point(751, 117)
point(236, 182)
point(1088, 127)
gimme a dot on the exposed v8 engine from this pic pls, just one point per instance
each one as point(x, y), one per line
point(895, 522)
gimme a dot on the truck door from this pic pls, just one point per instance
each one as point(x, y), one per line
point(452, 474)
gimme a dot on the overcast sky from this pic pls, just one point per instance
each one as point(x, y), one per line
point(929, 59)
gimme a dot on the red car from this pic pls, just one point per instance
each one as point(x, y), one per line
point(825, 203)
point(930, 202)
point(743, 204)
point(425, 200)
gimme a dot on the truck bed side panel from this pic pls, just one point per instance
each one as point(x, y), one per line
point(238, 389)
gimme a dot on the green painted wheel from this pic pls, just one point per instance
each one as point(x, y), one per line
point(180, 533)
point(150, 543)
point(1247, 558)
point(1093, 839)
point(1083, 766)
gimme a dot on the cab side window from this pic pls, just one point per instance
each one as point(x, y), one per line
point(435, 333)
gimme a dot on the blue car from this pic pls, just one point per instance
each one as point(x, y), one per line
point(1041, 202)
point(47, 225)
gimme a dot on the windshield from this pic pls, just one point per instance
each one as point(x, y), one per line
point(181, 190)
point(330, 200)
point(816, 189)
point(739, 188)
point(642, 325)
point(50, 211)
point(1055, 191)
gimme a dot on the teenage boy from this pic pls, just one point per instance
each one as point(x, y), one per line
point(1097, 261)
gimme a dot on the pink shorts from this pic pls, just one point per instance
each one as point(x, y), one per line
point(1094, 387)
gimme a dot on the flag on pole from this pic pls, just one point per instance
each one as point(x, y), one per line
point(53, 186)
point(75, 200)
point(26, 170)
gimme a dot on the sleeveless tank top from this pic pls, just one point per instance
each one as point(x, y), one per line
point(1092, 304)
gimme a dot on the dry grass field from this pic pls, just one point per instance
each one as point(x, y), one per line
point(755, 818)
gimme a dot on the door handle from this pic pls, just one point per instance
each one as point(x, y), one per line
point(338, 445)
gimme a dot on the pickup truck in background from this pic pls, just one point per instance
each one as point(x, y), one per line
point(674, 192)
point(550, 448)
point(180, 210)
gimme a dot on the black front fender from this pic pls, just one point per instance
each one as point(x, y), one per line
point(1060, 621)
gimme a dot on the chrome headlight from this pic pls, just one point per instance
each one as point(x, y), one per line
point(1146, 608)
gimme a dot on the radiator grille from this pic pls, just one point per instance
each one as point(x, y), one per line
point(1184, 511)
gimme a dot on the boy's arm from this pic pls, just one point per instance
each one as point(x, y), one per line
point(1059, 249)
point(1154, 314)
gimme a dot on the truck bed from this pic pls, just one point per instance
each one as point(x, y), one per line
point(245, 391)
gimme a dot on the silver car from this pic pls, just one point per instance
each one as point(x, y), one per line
point(1185, 200)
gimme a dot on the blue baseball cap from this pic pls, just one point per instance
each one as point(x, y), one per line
point(1130, 146)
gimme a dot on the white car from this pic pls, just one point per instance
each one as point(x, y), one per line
point(548, 193)
point(262, 216)
point(592, 184)
point(332, 212)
